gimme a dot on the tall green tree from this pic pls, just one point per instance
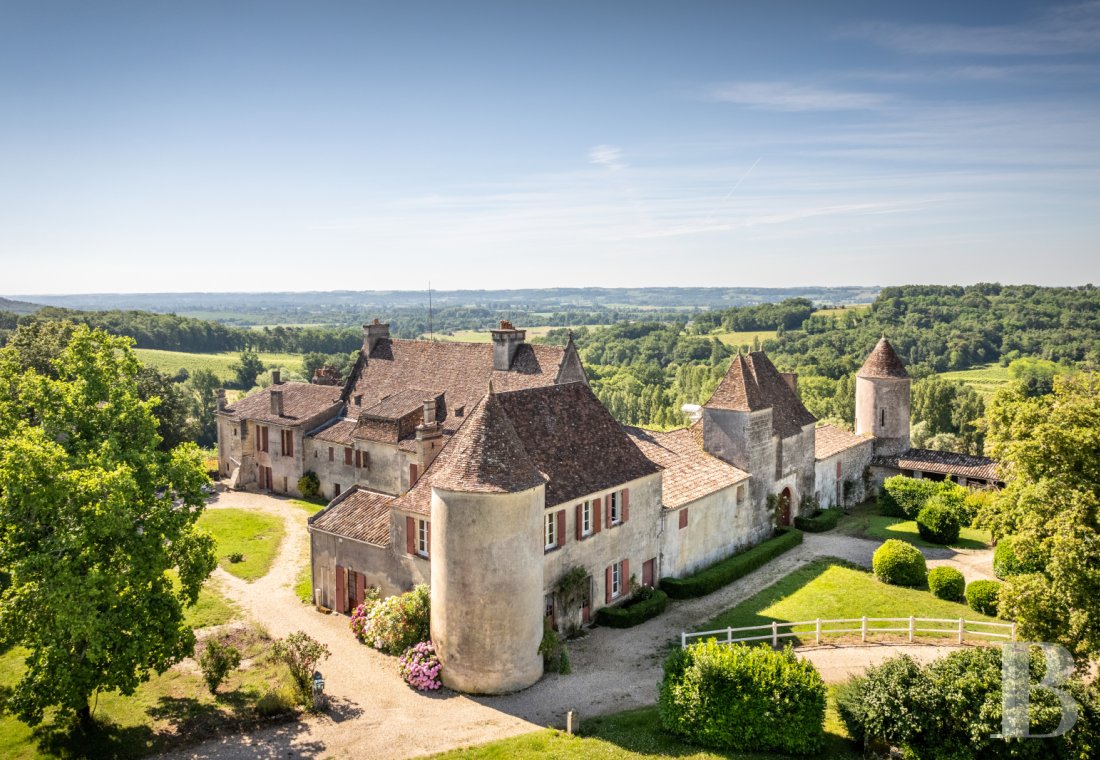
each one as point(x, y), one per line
point(96, 520)
point(203, 385)
point(247, 368)
point(1049, 448)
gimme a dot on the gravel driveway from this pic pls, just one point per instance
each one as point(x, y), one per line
point(375, 715)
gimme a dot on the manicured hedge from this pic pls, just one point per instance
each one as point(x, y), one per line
point(630, 615)
point(938, 522)
point(946, 583)
point(900, 564)
point(820, 522)
point(745, 699)
point(983, 596)
point(902, 496)
point(728, 570)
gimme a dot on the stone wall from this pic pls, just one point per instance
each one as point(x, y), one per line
point(387, 470)
point(718, 525)
point(829, 490)
point(391, 569)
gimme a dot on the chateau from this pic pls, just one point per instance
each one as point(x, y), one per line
point(490, 471)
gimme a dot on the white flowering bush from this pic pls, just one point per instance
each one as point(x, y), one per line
point(396, 623)
point(420, 667)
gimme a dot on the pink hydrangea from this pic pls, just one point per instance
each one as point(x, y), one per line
point(420, 667)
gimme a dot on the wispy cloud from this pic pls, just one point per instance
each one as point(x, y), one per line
point(1057, 31)
point(610, 156)
point(787, 96)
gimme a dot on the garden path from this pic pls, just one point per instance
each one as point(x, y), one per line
point(376, 715)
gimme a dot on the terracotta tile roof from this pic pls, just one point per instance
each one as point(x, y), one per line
point(460, 371)
point(569, 437)
point(487, 456)
point(300, 402)
point(753, 383)
point(337, 431)
point(830, 440)
point(357, 514)
point(401, 404)
point(690, 473)
point(574, 440)
point(943, 462)
point(883, 361)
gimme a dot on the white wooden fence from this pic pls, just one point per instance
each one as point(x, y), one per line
point(957, 628)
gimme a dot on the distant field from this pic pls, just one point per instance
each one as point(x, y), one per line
point(837, 311)
point(483, 336)
point(986, 379)
point(737, 339)
point(170, 362)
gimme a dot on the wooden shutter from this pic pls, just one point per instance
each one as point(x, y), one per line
point(259, 439)
point(266, 443)
point(360, 588)
point(838, 468)
point(358, 458)
point(413, 472)
point(331, 453)
point(561, 527)
point(626, 575)
point(410, 535)
point(428, 530)
point(608, 584)
point(597, 511)
point(626, 504)
point(580, 521)
point(347, 455)
point(341, 590)
point(683, 518)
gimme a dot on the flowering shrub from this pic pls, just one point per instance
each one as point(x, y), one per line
point(361, 614)
point(420, 667)
point(397, 622)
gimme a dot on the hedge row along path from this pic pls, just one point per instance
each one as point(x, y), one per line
point(374, 714)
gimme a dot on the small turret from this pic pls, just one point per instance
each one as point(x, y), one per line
point(882, 400)
point(487, 565)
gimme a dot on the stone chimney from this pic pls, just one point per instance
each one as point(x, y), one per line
point(506, 341)
point(276, 377)
point(220, 393)
point(791, 379)
point(429, 435)
point(373, 333)
point(277, 403)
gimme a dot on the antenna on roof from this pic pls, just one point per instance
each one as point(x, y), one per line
point(431, 333)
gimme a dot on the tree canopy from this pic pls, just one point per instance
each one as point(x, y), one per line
point(99, 539)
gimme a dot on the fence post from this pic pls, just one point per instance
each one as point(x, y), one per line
point(961, 629)
point(775, 634)
point(683, 640)
point(819, 631)
point(910, 629)
point(863, 629)
point(1013, 631)
point(729, 635)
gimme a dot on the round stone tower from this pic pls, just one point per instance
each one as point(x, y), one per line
point(882, 400)
point(487, 563)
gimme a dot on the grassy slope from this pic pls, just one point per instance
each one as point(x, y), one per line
point(832, 589)
point(171, 362)
point(256, 536)
point(857, 308)
point(986, 379)
point(631, 735)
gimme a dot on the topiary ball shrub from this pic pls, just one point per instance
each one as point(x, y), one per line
point(899, 564)
point(946, 583)
point(309, 485)
point(983, 596)
point(938, 522)
point(745, 699)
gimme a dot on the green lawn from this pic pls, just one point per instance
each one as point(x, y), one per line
point(309, 507)
point(211, 609)
point(986, 379)
point(839, 311)
point(745, 338)
point(304, 585)
point(631, 735)
point(168, 710)
point(256, 536)
point(171, 362)
point(883, 527)
point(831, 588)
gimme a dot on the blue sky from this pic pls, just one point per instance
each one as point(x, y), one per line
point(267, 146)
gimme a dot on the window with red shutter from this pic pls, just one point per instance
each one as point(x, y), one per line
point(683, 518)
point(347, 455)
point(358, 458)
point(410, 535)
point(561, 527)
point(607, 584)
point(597, 515)
point(580, 521)
point(626, 504)
point(413, 472)
point(624, 584)
point(341, 590)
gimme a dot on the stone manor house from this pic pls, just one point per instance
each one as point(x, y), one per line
point(490, 470)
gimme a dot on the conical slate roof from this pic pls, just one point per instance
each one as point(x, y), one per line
point(487, 456)
point(883, 362)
